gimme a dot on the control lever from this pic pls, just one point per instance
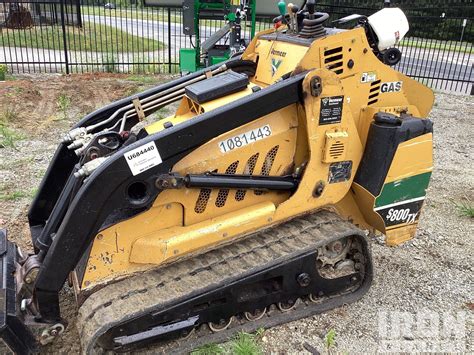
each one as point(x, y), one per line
point(282, 8)
point(311, 7)
point(292, 11)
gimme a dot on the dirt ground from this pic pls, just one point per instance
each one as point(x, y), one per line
point(432, 273)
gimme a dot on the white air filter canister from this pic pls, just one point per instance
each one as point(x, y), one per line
point(390, 25)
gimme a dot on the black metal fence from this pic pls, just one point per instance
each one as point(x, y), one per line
point(75, 36)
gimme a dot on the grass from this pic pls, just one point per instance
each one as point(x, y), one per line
point(245, 344)
point(143, 79)
point(147, 65)
point(208, 349)
point(18, 164)
point(12, 196)
point(8, 115)
point(40, 173)
point(63, 103)
point(3, 72)
point(8, 136)
point(92, 37)
point(150, 14)
point(17, 195)
point(330, 339)
point(11, 77)
point(437, 44)
point(242, 344)
point(465, 209)
point(109, 64)
point(15, 91)
point(129, 13)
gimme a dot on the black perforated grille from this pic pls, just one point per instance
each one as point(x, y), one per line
point(268, 164)
point(224, 193)
point(249, 169)
point(202, 200)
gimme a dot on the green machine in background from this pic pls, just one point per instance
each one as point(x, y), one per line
point(209, 52)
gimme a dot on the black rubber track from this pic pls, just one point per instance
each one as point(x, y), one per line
point(167, 286)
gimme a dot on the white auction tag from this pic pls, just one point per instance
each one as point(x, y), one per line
point(143, 158)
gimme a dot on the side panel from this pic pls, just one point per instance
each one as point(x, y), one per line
point(390, 186)
point(331, 132)
point(209, 214)
point(176, 215)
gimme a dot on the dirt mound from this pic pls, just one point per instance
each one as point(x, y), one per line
point(33, 103)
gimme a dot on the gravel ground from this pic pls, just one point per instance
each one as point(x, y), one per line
point(430, 274)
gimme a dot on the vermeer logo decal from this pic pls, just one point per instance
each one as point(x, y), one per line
point(278, 53)
point(143, 158)
point(275, 65)
point(391, 87)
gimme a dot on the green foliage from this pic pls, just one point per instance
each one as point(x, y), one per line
point(17, 194)
point(109, 64)
point(465, 209)
point(40, 173)
point(330, 339)
point(246, 344)
point(7, 116)
point(259, 333)
point(13, 196)
point(208, 349)
point(131, 12)
point(242, 344)
point(63, 103)
point(91, 37)
point(146, 67)
point(129, 3)
point(143, 79)
point(8, 136)
point(3, 71)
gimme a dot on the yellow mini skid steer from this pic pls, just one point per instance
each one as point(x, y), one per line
point(249, 207)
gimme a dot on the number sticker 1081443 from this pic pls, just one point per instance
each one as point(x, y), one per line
point(244, 139)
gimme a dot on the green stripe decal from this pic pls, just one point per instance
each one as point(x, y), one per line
point(402, 190)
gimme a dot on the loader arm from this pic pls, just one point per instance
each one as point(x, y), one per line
point(64, 159)
point(101, 191)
